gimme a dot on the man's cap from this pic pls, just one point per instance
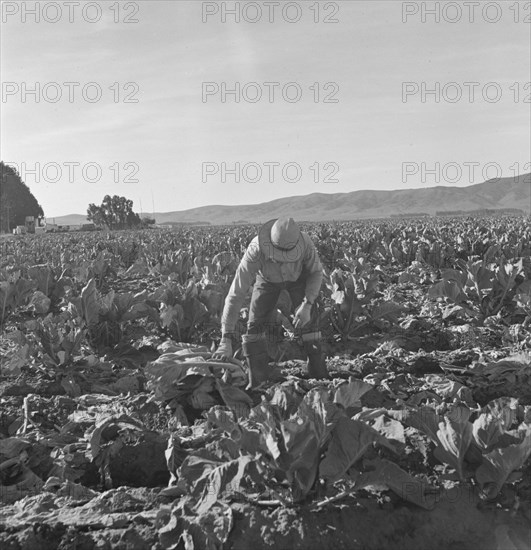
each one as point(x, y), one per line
point(281, 240)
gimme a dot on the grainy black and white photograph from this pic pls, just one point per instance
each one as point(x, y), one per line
point(265, 275)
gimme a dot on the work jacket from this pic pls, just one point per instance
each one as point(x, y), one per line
point(255, 262)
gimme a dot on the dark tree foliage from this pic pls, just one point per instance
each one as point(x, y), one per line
point(16, 200)
point(114, 213)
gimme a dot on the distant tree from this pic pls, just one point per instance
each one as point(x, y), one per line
point(16, 200)
point(95, 215)
point(114, 213)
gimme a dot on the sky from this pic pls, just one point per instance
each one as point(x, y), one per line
point(381, 95)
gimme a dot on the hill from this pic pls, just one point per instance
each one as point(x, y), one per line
point(70, 219)
point(513, 192)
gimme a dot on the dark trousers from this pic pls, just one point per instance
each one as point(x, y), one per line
point(262, 311)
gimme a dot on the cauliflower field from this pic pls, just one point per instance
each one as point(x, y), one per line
point(119, 430)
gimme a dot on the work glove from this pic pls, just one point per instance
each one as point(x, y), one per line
point(302, 315)
point(224, 350)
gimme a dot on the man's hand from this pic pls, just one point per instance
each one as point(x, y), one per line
point(224, 351)
point(302, 315)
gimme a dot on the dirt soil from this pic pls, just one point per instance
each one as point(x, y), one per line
point(129, 518)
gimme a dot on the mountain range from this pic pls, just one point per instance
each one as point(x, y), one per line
point(501, 193)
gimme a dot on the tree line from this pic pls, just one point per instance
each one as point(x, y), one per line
point(16, 200)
